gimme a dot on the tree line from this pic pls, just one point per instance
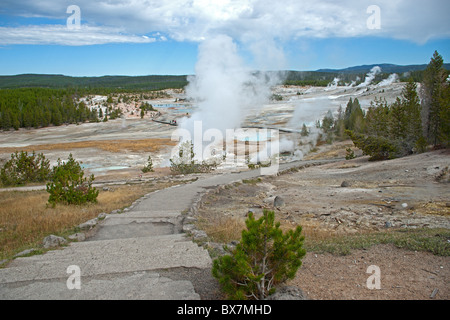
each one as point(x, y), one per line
point(107, 84)
point(41, 107)
point(419, 118)
point(323, 79)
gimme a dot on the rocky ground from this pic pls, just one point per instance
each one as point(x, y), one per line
point(354, 197)
point(404, 275)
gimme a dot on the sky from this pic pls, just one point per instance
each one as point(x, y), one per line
point(130, 37)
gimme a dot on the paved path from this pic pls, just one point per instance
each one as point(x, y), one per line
point(139, 254)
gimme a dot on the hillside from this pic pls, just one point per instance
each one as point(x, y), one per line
point(320, 77)
point(385, 67)
point(151, 82)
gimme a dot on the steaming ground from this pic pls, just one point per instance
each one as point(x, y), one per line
point(298, 105)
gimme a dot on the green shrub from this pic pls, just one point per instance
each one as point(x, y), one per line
point(263, 259)
point(68, 185)
point(184, 163)
point(149, 166)
point(304, 132)
point(349, 154)
point(378, 148)
point(23, 168)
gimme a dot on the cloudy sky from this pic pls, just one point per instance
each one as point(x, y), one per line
point(131, 37)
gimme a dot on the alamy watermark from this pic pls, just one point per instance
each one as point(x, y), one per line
point(374, 281)
point(74, 280)
point(233, 145)
point(374, 20)
point(74, 21)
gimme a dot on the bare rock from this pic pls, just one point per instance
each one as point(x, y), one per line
point(102, 215)
point(278, 202)
point(345, 184)
point(52, 241)
point(24, 253)
point(188, 227)
point(88, 224)
point(269, 199)
point(199, 234)
point(288, 293)
point(77, 236)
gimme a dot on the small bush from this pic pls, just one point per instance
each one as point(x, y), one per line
point(378, 148)
point(149, 166)
point(23, 168)
point(276, 97)
point(263, 259)
point(68, 185)
point(184, 163)
point(304, 132)
point(349, 154)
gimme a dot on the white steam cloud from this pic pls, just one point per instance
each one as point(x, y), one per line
point(333, 84)
point(224, 88)
point(390, 80)
point(370, 76)
point(217, 88)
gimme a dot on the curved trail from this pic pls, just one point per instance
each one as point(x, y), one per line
point(139, 254)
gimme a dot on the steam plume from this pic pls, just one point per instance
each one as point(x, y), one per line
point(370, 76)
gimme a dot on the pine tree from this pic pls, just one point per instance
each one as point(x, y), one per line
point(68, 184)
point(433, 105)
point(327, 122)
point(348, 112)
point(413, 124)
point(397, 121)
point(304, 132)
point(15, 121)
point(354, 116)
point(6, 120)
point(149, 166)
point(57, 119)
point(339, 127)
point(46, 120)
point(377, 118)
point(27, 118)
point(444, 133)
point(263, 259)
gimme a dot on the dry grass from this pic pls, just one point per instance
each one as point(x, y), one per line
point(434, 208)
point(143, 145)
point(221, 229)
point(25, 218)
point(336, 150)
point(225, 228)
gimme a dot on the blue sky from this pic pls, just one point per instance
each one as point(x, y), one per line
point(130, 37)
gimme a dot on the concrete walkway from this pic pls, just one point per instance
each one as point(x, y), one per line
point(139, 254)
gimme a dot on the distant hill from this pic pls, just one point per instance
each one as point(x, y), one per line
point(385, 67)
point(152, 82)
point(320, 77)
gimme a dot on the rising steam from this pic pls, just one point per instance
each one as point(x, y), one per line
point(370, 76)
point(224, 88)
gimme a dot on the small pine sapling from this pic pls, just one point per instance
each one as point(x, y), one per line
point(265, 258)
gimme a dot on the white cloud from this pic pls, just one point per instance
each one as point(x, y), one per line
point(195, 20)
point(58, 34)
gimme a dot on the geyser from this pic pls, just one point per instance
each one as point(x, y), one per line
point(224, 90)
